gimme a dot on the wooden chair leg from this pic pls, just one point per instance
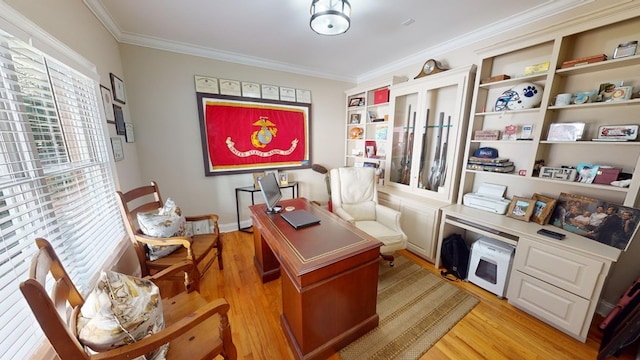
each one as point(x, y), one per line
point(388, 258)
point(219, 250)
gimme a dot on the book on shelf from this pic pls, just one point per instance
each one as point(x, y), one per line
point(504, 163)
point(481, 160)
point(491, 168)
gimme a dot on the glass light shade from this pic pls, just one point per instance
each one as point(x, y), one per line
point(330, 17)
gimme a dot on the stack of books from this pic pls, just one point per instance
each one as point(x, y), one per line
point(499, 164)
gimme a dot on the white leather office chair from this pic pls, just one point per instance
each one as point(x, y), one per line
point(355, 199)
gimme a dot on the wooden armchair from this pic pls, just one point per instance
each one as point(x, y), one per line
point(196, 248)
point(189, 319)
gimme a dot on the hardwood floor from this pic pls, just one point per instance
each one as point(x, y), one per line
point(492, 330)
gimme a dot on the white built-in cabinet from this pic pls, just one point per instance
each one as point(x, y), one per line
point(428, 124)
point(560, 282)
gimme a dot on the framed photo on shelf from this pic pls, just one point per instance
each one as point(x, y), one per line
point(356, 101)
point(284, 179)
point(542, 209)
point(621, 93)
point(521, 208)
point(354, 119)
point(565, 131)
point(257, 176)
point(117, 85)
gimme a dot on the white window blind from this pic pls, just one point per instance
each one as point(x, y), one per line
point(55, 182)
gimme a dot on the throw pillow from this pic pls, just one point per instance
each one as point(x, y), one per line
point(121, 310)
point(167, 221)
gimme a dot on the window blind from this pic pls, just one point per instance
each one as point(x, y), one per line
point(55, 181)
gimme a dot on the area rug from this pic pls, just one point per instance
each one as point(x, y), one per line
point(416, 309)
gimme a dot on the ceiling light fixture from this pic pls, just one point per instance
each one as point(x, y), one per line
point(330, 17)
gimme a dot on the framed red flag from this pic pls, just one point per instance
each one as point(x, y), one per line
point(245, 135)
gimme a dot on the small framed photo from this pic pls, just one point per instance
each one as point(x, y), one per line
point(621, 93)
point(625, 49)
point(117, 85)
point(284, 179)
point(257, 176)
point(521, 208)
point(118, 150)
point(565, 131)
point(119, 115)
point(354, 119)
point(107, 103)
point(129, 137)
point(542, 209)
point(356, 101)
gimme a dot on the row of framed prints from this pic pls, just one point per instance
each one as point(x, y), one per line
point(211, 85)
point(608, 223)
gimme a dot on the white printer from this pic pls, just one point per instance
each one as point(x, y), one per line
point(489, 197)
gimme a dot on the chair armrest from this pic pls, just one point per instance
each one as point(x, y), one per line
point(171, 332)
point(388, 217)
point(183, 266)
point(344, 215)
point(176, 240)
point(212, 217)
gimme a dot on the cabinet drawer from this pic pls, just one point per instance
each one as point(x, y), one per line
point(556, 307)
point(567, 270)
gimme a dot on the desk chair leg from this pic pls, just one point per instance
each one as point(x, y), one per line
point(388, 258)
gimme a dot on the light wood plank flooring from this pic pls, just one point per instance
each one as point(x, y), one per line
point(492, 330)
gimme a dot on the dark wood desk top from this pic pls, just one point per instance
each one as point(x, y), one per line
point(311, 248)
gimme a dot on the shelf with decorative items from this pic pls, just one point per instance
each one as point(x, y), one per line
point(367, 124)
point(577, 143)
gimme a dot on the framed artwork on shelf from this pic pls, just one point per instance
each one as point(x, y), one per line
point(587, 172)
point(621, 93)
point(354, 119)
point(521, 208)
point(565, 131)
point(608, 223)
point(356, 101)
point(107, 104)
point(257, 176)
point(542, 209)
point(284, 179)
point(238, 134)
point(117, 85)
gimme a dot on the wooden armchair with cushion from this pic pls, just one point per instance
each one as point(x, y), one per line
point(187, 322)
point(195, 248)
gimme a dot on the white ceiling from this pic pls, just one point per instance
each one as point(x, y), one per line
point(275, 34)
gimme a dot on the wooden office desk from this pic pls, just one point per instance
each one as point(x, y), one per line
point(329, 278)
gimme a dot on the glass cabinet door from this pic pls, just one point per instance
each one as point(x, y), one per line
point(402, 144)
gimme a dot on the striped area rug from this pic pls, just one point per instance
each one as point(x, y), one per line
point(416, 309)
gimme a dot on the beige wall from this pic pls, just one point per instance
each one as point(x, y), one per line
point(161, 105)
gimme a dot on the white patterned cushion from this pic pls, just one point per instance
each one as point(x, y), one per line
point(121, 310)
point(167, 221)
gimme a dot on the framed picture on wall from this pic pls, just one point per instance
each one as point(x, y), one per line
point(117, 85)
point(107, 103)
point(120, 126)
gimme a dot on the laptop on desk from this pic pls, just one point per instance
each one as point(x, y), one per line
point(300, 218)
